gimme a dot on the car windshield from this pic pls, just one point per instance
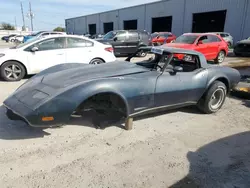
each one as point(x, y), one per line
point(24, 44)
point(186, 39)
point(35, 34)
point(109, 35)
point(154, 35)
point(164, 35)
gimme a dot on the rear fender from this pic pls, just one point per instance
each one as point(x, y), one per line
point(218, 77)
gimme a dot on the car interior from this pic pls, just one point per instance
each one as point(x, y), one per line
point(156, 62)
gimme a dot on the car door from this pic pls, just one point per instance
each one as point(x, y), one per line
point(213, 44)
point(49, 52)
point(79, 50)
point(201, 46)
point(132, 42)
point(180, 88)
point(119, 45)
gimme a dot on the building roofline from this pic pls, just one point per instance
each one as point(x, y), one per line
point(159, 1)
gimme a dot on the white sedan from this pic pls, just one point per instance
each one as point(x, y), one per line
point(39, 54)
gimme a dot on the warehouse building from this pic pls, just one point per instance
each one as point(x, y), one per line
point(177, 16)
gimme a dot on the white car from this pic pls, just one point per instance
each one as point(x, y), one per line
point(12, 39)
point(39, 54)
point(19, 38)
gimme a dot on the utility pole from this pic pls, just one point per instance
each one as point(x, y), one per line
point(15, 23)
point(22, 16)
point(31, 16)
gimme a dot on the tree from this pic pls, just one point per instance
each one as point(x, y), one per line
point(60, 29)
point(7, 26)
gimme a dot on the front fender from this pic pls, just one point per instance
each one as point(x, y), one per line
point(64, 104)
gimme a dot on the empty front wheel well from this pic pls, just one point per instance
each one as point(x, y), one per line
point(104, 101)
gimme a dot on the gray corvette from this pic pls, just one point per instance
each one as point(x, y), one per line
point(161, 82)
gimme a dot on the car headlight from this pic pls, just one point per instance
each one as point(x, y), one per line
point(1, 55)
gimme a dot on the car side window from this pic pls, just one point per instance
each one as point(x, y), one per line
point(49, 44)
point(212, 38)
point(44, 34)
point(78, 43)
point(204, 39)
point(121, 35)
point(133, 36)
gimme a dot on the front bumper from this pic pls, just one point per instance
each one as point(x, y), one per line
point(18, 108)
point(31, 117)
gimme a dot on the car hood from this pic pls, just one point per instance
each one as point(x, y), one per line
point(8, 50)
point(244, 42)
point(179, 45)
point(77, 75)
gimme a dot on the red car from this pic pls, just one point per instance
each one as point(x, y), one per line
point(162, 38)
point(211, 45)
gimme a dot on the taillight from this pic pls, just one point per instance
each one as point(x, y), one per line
point(109, 49)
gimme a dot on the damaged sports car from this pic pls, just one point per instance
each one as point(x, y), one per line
point(161, 82)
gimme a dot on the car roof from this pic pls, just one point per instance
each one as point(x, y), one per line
point(200, 34)
point(172, 50)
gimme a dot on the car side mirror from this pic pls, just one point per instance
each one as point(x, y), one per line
point(199, 42)
point(115, 39)
point(34, 49)
point(178, 69)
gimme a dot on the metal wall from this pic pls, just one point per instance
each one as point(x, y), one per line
point(174, 8)
point(111, 16)
point(234, 17)
point(237, 20)
point(246, 24)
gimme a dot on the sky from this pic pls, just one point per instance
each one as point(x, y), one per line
point(50, 14)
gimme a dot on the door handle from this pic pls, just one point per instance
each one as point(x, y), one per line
point(59, 54)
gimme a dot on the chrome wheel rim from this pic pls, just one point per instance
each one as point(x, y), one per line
point(221, 57)
point(12, 72)
point(217, 98)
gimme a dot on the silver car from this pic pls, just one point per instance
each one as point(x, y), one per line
point(227, 37)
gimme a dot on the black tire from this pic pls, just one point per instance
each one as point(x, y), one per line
point(15, 76)
point(96, 61)
point(142, 53)
point(220, 57)
point(237, 54)
point(217, 91)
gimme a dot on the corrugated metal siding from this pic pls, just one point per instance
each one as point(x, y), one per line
point(93, 19)
point(246, 31)
point(111, 16)
point(234, 16)
point(174, 8)
point(133, 13)
point(181, 10)
point(80, 26)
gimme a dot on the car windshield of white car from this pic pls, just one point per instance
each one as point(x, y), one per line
point(186, 39)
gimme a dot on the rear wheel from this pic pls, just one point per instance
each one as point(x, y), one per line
point(12, 71)
point(214, 98)
point(221, 56)
point(96, 61)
